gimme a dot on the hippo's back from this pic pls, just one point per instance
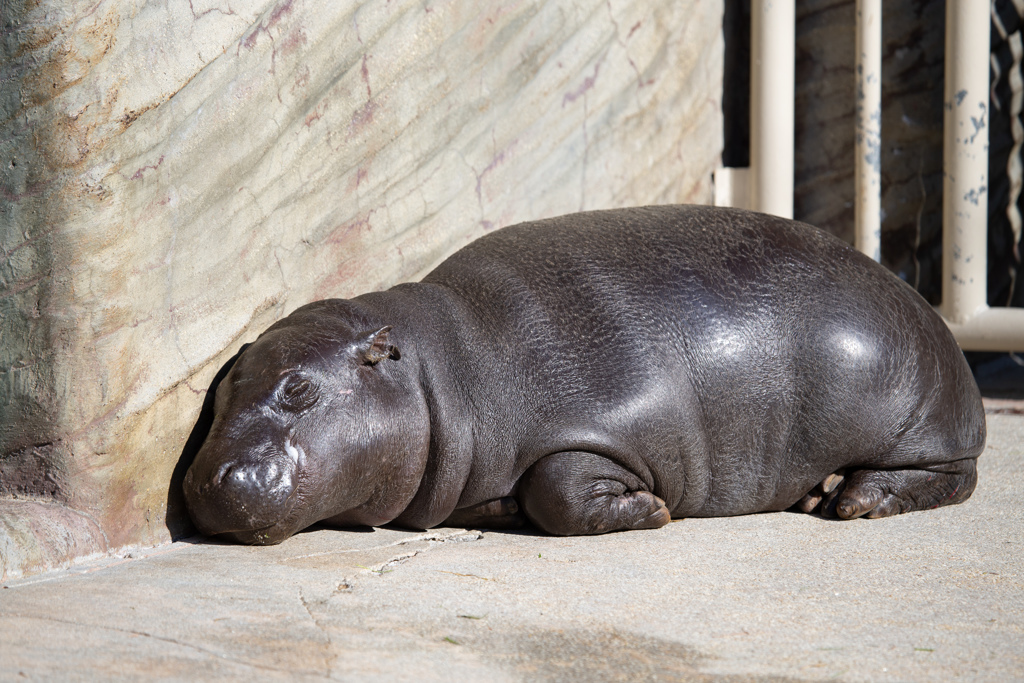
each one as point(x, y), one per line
point(714, 262)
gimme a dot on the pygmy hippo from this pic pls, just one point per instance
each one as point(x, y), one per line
point(595, 372)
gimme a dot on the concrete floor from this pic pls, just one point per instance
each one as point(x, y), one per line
point(928, 596)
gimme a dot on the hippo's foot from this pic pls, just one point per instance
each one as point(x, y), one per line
point(577, 493)
point(882, 493)
point(811, 501)
point(500, 513)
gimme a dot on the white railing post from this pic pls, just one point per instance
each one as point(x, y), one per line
point(768, 184)
point(965, 160)
point(965, 188)
point(772, 95)
point(868, 163)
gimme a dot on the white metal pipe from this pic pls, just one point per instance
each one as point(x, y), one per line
point(965, 188)
point(965, 161)
point(772, 94)
point(868, 166)
point(993, 329)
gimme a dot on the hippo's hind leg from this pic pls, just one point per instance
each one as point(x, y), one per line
point(881, 493)
point(931, 463)
point(577, 493)
point(500, 513)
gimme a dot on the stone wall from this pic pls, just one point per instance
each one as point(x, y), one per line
point(175, 176)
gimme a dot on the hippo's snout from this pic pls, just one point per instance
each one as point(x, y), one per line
point(247, 492)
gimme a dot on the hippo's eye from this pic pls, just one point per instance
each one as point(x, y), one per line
point(297, 394)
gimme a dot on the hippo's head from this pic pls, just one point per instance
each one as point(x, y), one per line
point(317, 420)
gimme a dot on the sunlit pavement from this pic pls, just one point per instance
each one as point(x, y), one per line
point(927, 596)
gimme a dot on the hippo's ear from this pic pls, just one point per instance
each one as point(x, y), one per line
point(376, 346)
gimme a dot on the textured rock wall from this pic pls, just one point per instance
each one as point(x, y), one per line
point(175, 176)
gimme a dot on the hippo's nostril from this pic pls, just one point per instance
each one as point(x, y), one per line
point(223, 472)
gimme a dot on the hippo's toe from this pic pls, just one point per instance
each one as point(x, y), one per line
point(810, 502)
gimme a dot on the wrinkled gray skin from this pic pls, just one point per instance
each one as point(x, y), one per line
point(596, 372)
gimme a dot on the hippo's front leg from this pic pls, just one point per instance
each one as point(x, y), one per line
point(573, 493)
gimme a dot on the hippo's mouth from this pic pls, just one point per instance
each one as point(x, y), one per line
point(266, 536)
point(270, 534)
point(247, 529)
